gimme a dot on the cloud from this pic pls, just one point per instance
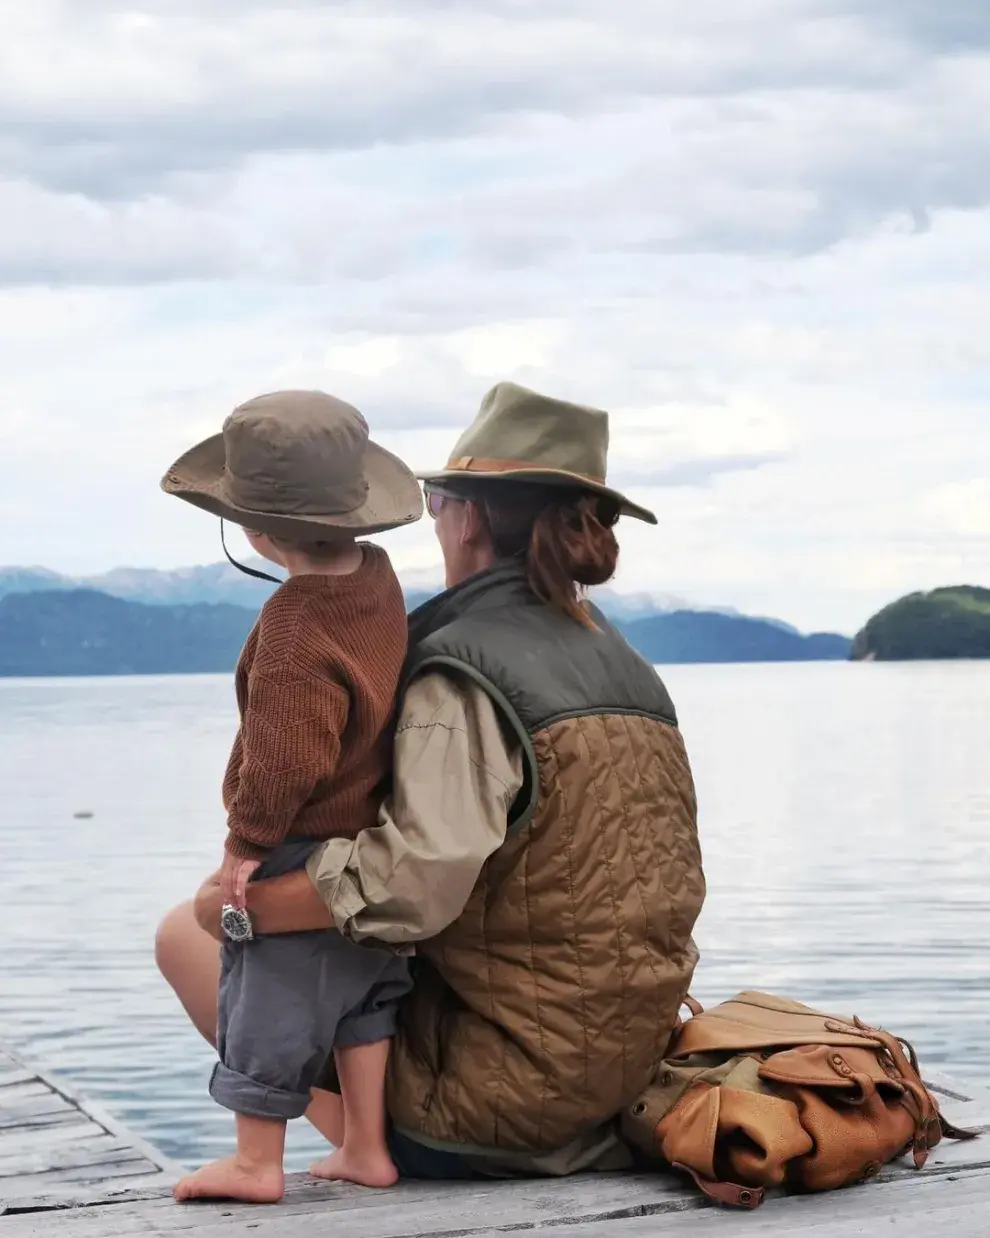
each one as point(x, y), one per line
point(960, 26)
point(960, 508)
point(313, 141)
point(758, 234)
point(696, 472)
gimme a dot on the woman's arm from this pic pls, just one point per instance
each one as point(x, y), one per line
point(286, 904)
point(455, 778)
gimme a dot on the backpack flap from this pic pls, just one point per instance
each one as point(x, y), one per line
point(735, 1137)
point(752, 1021)
point(857, 1117)
point(762, 1092)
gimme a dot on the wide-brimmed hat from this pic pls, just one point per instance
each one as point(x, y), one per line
point(297, 464)
point(522, 436)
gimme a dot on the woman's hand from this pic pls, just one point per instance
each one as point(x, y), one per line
point(207, 906)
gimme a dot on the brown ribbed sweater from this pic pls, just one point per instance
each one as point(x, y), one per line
point(316, 685)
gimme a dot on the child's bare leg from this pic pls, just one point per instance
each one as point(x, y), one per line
point(364, 1156)
point(326, 1113)
point(254, 1173)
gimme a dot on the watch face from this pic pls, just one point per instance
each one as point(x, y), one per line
point(236, 924)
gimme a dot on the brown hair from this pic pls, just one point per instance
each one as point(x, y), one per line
point(318, 551)
point(565, 537)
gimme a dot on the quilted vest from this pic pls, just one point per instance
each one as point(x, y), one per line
point(547, 1006)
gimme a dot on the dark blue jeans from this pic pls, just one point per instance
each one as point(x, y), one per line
point(416, 1160)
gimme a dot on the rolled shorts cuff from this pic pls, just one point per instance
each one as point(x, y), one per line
point(253, 1099)
point(367, 1029)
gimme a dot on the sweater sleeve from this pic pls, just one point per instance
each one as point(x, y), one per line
point(295, 710)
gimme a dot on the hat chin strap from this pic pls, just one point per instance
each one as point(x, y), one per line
point(248, 571)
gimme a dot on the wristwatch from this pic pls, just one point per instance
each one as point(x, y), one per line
point(236, 923)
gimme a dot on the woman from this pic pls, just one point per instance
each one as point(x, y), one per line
point(539, 846)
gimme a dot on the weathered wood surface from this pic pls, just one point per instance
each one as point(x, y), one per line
point(952, 1195)
point(52, 1140)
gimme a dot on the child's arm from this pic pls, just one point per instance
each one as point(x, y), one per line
point(234, 876)
point(295, 711)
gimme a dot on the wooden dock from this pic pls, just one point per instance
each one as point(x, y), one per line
point(54, 1143)
point(951, 1196)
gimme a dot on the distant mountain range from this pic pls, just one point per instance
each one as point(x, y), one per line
point(713, 636)
point(222, 583)
point(195, 620)
point(88, 633)
point(215, 583)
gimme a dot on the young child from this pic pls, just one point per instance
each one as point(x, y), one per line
point(316, 686)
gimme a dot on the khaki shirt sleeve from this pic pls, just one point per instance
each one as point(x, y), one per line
point(455, 779)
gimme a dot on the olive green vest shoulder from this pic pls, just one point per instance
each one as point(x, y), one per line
point(537, 664)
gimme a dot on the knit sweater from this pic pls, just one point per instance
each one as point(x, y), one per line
point(316, 685)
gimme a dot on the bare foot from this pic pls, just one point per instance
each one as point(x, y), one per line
point(367, 1169)
point(233, 1179)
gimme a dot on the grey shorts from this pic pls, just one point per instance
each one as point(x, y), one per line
point(287, 1001)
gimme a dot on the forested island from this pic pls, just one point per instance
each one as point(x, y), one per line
point(952, 622)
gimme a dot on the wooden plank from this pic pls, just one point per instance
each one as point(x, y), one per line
point(960, 1208)
point(93, 1149)
point(959, 1205)
point(33, 1097)
point(949, 1157)
point(411, 1208)
point(950, 1089)
point(24, 1092)
point(54, 1141)
point(49, 1112)
point(54, 1180)
point(10, 1075)
point(956, 1181)
point(97, 1114)
point(27, 1139)
point(438, 1209)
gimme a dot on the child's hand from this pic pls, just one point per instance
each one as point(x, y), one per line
point(234, 876)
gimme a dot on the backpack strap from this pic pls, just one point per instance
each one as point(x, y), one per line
point(730, 1194)
point(930, 1126)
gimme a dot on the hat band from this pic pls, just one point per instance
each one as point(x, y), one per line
point(478, 464)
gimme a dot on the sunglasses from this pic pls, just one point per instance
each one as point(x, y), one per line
point(435, 500)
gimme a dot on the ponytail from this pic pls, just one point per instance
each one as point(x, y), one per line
point(571, 548)
point(565, 537)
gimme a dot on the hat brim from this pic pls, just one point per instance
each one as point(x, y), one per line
point(393, 498)
point(543, 477)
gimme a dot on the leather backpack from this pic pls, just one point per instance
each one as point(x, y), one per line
point(763, 1092)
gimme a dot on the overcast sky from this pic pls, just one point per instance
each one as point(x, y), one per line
point(758, 233)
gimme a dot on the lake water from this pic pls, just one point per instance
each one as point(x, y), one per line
point(845, 813)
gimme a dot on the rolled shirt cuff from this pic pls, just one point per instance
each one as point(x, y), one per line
point(327, 869)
